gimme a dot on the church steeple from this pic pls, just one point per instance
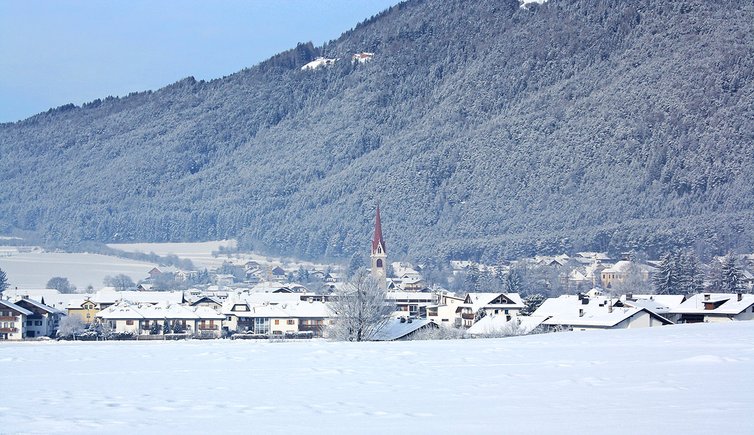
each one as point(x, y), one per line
point(379, 254)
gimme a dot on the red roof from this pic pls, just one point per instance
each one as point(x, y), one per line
point(377, 240)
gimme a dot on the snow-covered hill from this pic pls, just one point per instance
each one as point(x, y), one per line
point(679, 379)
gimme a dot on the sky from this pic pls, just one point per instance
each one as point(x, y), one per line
point(55, 52)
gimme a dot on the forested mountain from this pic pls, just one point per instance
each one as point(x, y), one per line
point(484, 130)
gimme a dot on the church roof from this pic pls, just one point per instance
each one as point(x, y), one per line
point(377, 240)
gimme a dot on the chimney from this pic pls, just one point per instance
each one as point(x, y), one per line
point(581, 312)
point(629, 296)
point(740, 296)
point(610, 306)
point(706, 297)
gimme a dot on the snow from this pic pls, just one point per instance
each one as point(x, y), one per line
point(200, 254)
point(526, 3)
point(34, 269)
point(680, 379)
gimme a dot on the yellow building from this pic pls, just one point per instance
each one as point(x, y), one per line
point(86, 310)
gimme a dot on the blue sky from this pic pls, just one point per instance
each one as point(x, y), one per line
point(54, 52)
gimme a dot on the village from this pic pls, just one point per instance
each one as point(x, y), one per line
point(268, 303)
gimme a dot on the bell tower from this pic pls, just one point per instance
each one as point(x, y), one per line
point(379, 254)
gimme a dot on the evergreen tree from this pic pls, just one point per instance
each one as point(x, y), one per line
point(731, 275)
point(3, 281)
point(513, 282)
point(532, 302)
point(667, 280)
point(166, 327)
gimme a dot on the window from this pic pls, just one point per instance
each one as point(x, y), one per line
point(38, 322)
point(291, 322)
point(277, 321)
point(379, 262)
point(129, 322)
point(261, 325)
point(28, 323)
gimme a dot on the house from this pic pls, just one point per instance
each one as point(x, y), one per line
point(581, 313)
point(150, 319)
point(660, 304)
point(277, 316)
point(445, 311)
point(85, 308)
point(410, 303)
point(716, 307)
point(154, 273)
point(224, 279)
point(44, 320)
point(507, 304)
point(620, 271)
point(362, 57)
point(278, 274)
point(209, 302)
point(12, 321)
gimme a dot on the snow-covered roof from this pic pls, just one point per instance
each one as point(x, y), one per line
point(12, 306)
point(661, 304)
point(52, 297)
point(110, 296)
point(318, 62)
point(412, 296)
point(727, 303)
point(599, 312)
point(484, 300)
point(128, 311)
point(395, 329)
point(41, 306)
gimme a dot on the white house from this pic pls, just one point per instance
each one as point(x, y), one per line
point(506, 304)
point(716, 307)
point(446, 311)
point(44, 320)
point(12, 321)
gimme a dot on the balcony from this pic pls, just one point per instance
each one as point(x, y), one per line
point(467, 316)
point(9, 330)
point(8, 319)
point(207, 328)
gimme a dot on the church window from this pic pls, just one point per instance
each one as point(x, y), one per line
point(379, 262)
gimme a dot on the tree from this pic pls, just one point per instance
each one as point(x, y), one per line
point(513, 282)
point(361, 308)
point(3, 281)
point(532, 302)
point(166, 326)
point(731, 275)
point(61, 284)
point(121, 282)
point(71, 326)
point(668, 280)
point(356, 263)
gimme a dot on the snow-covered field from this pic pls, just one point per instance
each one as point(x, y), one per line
point(200, 254)
point(676, 379)
point(34, 269)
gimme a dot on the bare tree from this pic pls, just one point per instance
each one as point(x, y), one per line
point(120, 282)
point(360, 307)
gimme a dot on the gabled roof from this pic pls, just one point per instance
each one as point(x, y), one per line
point(727, 304)
point(12, 306)
point(477, 301)
point(489, 325)
point(570, 310)
point(39, 305)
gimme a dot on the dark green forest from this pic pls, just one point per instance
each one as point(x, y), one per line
point(485, 131)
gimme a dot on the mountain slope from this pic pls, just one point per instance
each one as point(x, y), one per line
point(484, 129)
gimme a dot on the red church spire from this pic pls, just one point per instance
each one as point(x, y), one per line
point(377, 239)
